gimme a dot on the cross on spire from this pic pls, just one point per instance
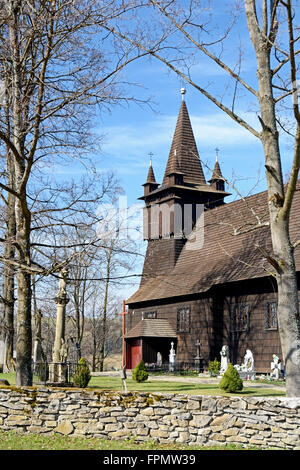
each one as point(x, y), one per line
point(183, 92)
point(150, 155)
point(217, 153)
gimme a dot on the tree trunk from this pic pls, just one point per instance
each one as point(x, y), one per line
point(22, 213)
point(24, 336)
point(283, 261)
point(9, 285)
point(288, 316)
point(24, 295)
point(9, 250)
point(103, 329)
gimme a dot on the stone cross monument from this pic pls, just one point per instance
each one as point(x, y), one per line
point(198, 358)
point(58, 370)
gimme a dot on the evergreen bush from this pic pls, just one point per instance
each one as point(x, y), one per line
point(231, 381)
point(82, 374)
point(214, 367)
point(140, 374)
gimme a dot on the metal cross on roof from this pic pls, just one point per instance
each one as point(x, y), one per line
point(183, 92)
point(150, 155)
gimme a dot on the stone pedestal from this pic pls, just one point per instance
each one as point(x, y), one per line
point(199, 364)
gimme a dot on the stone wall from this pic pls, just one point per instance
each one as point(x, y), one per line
point(203, 420)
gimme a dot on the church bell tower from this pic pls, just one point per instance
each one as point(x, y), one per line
point(172, 208)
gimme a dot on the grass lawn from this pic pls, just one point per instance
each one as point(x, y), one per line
point(10, 440)
point(165, 386)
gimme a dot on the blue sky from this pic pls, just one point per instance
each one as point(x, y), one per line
point(132, 131)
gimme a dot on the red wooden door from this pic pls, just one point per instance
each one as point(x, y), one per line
point(136, 352)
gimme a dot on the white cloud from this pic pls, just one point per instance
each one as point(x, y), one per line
point(221, 130)
point(134, 141)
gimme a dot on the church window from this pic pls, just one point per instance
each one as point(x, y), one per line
point(240, 317)
point(183, 320)
point(271, 316)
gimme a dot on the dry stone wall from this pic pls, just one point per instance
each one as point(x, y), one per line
point(165, 418)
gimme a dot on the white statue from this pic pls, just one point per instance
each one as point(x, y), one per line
point(276, 368)
point(224, 359)
point(248, 365)
point(172, 357)
point(247, 368)
point(159, 359)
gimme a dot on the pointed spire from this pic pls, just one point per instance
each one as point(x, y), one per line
point(150, 177)
point(183, 156)
point(217, 174)
point(217, 179)
point(151, 183)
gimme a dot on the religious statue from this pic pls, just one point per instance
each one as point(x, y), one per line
point(159, 359)
point(172, 357)
point(246, 370)
point(224, 359)
point(63, 351)
point(248, 365)
point(61, 296)
point(276, 367)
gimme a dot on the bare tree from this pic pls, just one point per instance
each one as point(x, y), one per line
point(8, 285)
point(184, 33)
point(55, 73)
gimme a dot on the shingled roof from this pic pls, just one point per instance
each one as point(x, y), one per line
point(231, 250)
point(154, 327)
point(150, 176)
point(183, 156)
point(217, 174)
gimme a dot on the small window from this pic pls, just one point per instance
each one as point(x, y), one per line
point(183, 320)
point(240, 317)
point(150, 314)
point(271, 321)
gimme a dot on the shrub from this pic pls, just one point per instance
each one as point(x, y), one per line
point(231, 381)
point(82, 374)
point(140, 374)
point(214, 367)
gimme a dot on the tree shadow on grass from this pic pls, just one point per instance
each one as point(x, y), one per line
point(180, 388)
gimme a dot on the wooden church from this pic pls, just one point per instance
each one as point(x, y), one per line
point(205, 277)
